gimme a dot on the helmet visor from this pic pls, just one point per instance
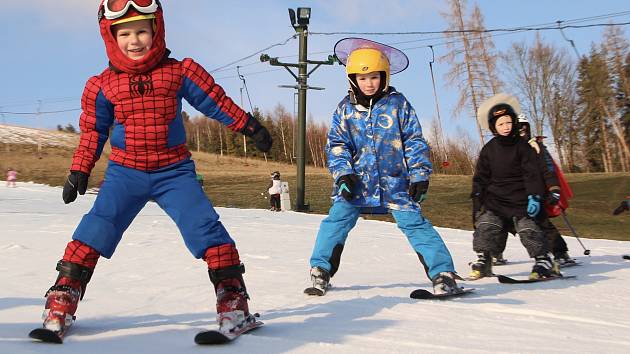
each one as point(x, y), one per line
point(118, 8)
point(398, 61)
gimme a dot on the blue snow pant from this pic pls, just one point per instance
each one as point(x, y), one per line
point(421, 234)
point(124, 193)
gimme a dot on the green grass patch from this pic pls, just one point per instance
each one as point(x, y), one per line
point(237, 182)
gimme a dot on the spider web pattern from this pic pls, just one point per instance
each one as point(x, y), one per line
point(146, 109)
point(79, 253)
point(222, 256)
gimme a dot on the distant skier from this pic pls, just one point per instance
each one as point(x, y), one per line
point(507, 191)
point(274, 190)
point(552, 196)
point(11, 177)
point(140, 96)
point(380, 162)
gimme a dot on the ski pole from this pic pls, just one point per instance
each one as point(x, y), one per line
point(566, 221)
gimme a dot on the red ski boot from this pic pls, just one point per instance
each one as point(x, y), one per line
point(62, 300)
point(232, 309)
point(61, 305)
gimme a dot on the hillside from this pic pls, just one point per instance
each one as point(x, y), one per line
point(242, 183)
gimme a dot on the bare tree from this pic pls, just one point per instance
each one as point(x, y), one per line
point(615, 47)
point(473, 69)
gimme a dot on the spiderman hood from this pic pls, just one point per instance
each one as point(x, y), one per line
point(123, 63)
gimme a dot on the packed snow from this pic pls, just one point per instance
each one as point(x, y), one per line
point(153, 296)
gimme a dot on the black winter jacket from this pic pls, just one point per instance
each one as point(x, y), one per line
point(508, 171)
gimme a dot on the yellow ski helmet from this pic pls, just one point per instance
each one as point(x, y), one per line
point(367, 60)
point(362, 56)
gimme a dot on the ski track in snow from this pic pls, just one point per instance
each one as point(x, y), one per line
point(152, 296)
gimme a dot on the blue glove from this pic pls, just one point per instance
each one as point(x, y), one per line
point(533, 205)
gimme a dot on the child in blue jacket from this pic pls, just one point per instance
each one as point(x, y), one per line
point(379, 161)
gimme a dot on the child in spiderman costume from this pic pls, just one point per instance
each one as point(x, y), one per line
point(139, 95)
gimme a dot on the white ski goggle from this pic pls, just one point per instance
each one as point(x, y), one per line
point(118, 8)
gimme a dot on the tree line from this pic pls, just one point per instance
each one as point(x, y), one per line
point(581, 102)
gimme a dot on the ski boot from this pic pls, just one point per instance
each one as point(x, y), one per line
point(544, 268)
point(499, 260)
point(444, 283)
point(563, 259)
point(321, 282)
point(482, 267)
point(232, 308)
point(63, 298)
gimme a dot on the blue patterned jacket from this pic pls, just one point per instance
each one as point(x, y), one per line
point(384, 147)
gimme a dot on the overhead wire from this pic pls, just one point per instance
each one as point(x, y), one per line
point(492, 30)
point(255, 53)
point(559, 25)
point(40, 112)
point(510, 30)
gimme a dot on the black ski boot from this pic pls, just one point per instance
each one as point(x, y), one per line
point(498, 259)
point(482, 267)
point(321, 282)
point(563, 259)
point(544, 268)
point(444, 283)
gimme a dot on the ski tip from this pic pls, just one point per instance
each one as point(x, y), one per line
point(625, 256)
point(211, 337)
point(45, 335)
point(217, 337)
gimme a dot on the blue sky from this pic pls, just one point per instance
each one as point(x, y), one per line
point(50, 48)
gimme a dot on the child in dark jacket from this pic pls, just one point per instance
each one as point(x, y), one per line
point(557, 245)
point(507, 191)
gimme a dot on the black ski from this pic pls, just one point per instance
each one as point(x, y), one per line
point(625, 256)
point(215, 336)
point(422, 294)
point(48, 336)
point(507, 280)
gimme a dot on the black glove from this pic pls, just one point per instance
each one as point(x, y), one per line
point(76, 182)
point(260, 134)
point(554, 195)
point(346, 184)
point(418, 191)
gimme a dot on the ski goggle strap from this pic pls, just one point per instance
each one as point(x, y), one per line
point(118, 8)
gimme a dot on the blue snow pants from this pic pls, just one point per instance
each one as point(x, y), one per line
point(124, 193)
point(421, 234)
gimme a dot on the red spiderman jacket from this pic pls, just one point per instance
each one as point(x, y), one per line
point(145, 112)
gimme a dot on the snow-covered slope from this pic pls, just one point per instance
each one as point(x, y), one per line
point(152, 296)
point(10, 134)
